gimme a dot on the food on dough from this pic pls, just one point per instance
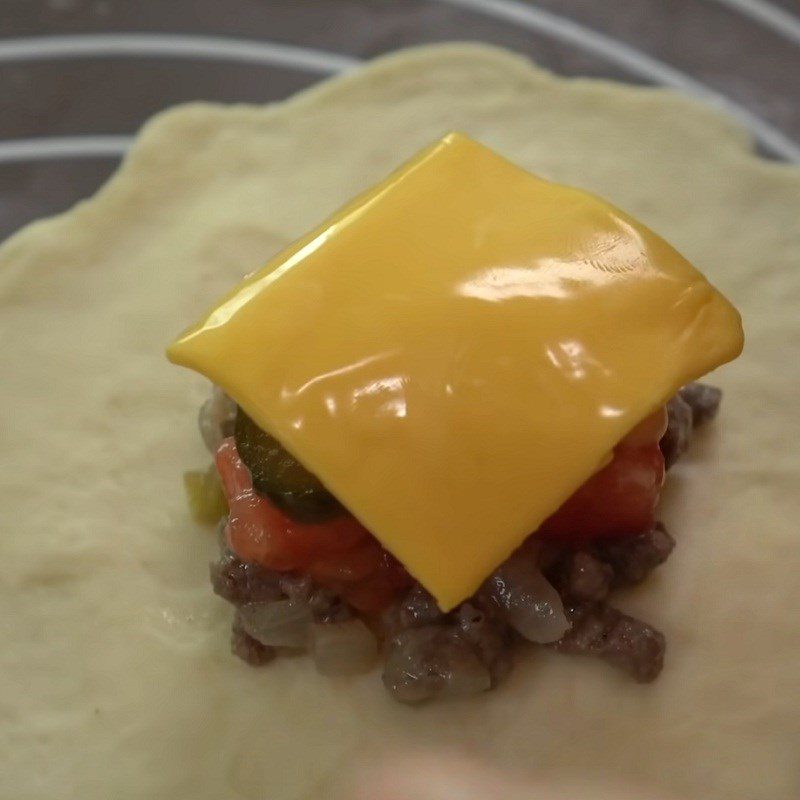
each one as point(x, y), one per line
point(447, 413)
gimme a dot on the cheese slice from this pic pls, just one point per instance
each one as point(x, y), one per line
point(458, 349)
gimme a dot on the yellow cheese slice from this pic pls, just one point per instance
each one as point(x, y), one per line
point(457, 350)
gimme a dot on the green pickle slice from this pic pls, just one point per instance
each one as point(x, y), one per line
point(280, 476)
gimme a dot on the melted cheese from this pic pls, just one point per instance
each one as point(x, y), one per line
point(457, 350)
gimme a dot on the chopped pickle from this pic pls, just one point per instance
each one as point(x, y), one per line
point(204, 493)
point(279, 476)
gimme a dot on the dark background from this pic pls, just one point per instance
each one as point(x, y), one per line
point(745, 52)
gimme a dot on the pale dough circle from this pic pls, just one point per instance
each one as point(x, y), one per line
point(115, 675)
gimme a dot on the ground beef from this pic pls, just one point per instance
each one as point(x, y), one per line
point(632, 559)
point(429, 653)
point(624, 642)
point(248, 648)
point(492, 638)
point(242, 583)
point(704, 400)
point(423, 663)
point(584, 577)
point(415, 609)
point(694, 405)
point(679, 430)
point(590, 573)
point(239, 582)
point(325, 605)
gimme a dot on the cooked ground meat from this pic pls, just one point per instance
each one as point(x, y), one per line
point(679, 430)
point(422, 663)
point(633, 559)
point(624, 642)
point(324, 604)
point(429, 653)
point(694, 405)
point(485, 631)
point(240, 582)
point(248, 648)
point(704, 400)
point(589, 574)
point(415, 609)
point(584, 577)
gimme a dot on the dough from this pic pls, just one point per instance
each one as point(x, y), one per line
point(115, 675)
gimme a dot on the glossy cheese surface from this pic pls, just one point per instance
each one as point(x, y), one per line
point(457, 350)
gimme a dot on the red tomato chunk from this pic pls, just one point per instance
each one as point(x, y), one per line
point(620, 499)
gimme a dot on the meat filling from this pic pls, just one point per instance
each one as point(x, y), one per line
point(343, 598)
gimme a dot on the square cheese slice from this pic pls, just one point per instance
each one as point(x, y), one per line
point(458, 349)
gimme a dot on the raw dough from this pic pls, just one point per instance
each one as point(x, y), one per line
point(115, 675)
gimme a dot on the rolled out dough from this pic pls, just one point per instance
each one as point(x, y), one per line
point(115, 675)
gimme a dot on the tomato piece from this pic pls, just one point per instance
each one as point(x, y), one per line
point(339, 554)
point(378, 592)
point(350, 566)
point(620, 499)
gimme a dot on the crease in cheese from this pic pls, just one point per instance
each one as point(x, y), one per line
point(458, 349)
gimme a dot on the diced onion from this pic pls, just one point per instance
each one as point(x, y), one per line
point(282, 623)
point(433, 660)
point(530, 603)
